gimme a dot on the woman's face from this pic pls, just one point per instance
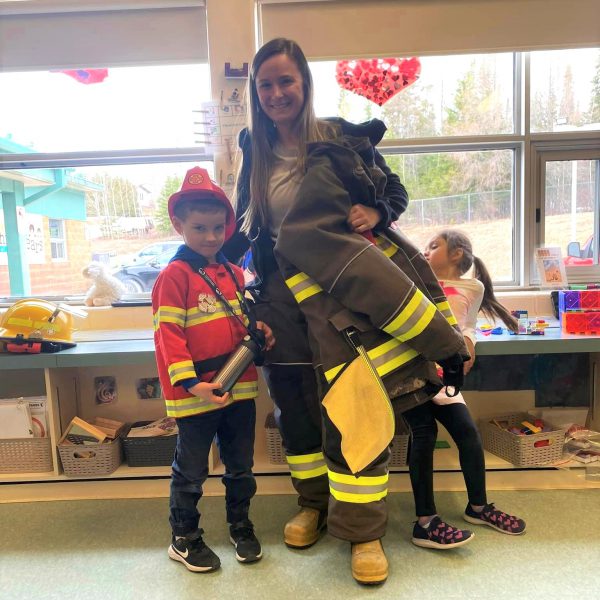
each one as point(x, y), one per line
point(280, 90)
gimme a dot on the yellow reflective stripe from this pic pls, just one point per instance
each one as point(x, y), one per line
point(413, 319)
point(245, 390)
point(300, 459)
point(352, 480)
point(331, 373)
point(385, 358)
point(317, 472)
point(308, 292)
point(307, 466)
point(357, 490)
point(169, 314)
point(446, 310)
point(387, 247)
point(296, 279)
point(181, 370)
point(302, 286)
point(195, 316)
point(357, 498)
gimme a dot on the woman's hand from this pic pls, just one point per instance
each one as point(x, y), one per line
point(204, 390)
point(363, 218)
point(269, 337)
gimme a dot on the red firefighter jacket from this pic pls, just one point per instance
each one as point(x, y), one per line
point(191, 329)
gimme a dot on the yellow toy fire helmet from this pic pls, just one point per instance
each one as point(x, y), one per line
point(32, 325)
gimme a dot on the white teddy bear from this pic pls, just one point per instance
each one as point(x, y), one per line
point(106, 288)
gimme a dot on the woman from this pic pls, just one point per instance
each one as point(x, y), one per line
point(282, 123)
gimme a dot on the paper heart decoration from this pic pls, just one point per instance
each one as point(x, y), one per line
point(377, 79)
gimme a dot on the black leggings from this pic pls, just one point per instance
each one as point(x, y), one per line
point(460, 425)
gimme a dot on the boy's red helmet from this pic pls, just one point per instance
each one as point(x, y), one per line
point(198, 184)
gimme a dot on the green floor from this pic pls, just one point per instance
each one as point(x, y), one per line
point(116, 549)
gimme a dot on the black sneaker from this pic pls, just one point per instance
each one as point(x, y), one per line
point(247, 547)
point(194, 553)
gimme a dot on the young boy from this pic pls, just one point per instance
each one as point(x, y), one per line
point(195, 332)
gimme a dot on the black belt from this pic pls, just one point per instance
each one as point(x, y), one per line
point(210, 364)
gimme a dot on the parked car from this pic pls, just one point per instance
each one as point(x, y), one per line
point(149, 252)
point(140, 277)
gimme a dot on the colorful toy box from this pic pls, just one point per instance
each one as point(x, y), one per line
point(579, 311)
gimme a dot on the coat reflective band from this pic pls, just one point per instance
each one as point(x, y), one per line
point(413, 318)
point(385, 358)
point(181, 370)
point(444, 308)
point(303, 287)
point(357, 490)
point(306, 466)
point(194, 405)
point(386, 246)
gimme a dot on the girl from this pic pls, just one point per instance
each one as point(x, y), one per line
point(450, 255)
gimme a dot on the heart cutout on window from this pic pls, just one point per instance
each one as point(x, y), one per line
point(377, 79)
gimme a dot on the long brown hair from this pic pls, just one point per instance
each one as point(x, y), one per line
point(264, 134)
point(490, 307)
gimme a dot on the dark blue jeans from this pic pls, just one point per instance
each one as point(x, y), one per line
point(234, 428)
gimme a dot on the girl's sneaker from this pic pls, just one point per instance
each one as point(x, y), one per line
point(495, 518)
point(440, 535)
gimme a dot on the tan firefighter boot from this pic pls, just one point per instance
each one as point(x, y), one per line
point(304, 528)
point(369, 564)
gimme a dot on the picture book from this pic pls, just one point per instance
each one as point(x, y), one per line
point(82, 432)
point(15, 420)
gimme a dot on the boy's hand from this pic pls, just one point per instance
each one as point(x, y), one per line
point(363, 218)
point(269, 337)
point(204, 390)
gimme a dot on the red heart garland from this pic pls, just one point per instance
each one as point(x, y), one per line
point(377, 79)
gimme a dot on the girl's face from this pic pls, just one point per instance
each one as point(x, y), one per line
point(436, 253)
point(280, 90)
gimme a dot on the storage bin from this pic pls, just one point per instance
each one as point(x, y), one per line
point(276, 453)
point(85, 460)
point(520, 450)
point(156, 451)
point(25, 455)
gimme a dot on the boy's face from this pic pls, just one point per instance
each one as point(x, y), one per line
point(203, 232)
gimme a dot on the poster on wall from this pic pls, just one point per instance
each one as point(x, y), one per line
point(33, 230)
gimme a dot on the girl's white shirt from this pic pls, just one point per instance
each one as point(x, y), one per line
point(465, 297)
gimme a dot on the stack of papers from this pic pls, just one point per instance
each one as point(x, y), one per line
point(164, 426)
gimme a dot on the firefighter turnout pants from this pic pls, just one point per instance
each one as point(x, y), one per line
point(294, 390)
point(357, 504)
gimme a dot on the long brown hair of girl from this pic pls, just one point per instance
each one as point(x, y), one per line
point(490, 307)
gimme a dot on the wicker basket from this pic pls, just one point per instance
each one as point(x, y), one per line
point(157, 451)
point(25, 455)
point(520, 450)
point(276, 453)
point(85, 460)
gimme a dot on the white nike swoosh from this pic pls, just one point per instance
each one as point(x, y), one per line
point(183, 554)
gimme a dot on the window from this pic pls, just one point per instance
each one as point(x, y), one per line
point(58, 249)
point(565, 90)
point(459, 140)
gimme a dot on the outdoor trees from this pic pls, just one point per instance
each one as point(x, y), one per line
point(172, 184)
